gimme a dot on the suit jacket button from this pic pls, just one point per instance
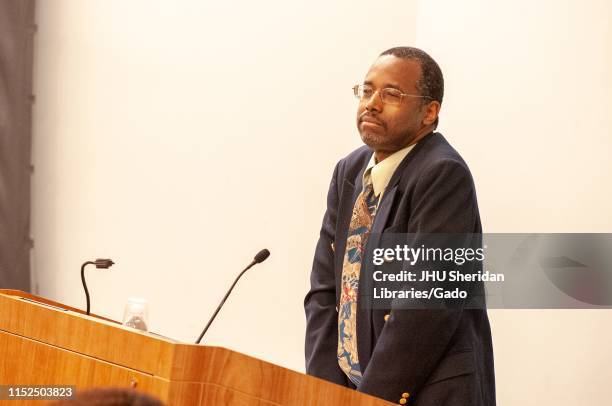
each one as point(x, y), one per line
point(387, 317)
point(405, 395)
point(402, 401)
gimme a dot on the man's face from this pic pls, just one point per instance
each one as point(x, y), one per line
point(387, 128)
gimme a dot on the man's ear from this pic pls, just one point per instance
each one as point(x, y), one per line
point(431, 112)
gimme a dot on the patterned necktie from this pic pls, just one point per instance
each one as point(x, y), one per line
point(361, 223)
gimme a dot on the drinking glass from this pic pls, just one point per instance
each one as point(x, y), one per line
point(136, 313)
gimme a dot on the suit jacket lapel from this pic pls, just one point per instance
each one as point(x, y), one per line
point(364, 314)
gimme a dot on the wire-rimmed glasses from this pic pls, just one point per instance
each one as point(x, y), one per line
point(387, 95)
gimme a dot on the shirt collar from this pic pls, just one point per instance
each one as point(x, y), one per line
point(379, 174)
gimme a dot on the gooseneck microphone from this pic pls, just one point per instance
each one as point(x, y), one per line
point(100, 264)
point(259, 258)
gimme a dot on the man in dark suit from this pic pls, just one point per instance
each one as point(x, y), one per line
point(406, 179)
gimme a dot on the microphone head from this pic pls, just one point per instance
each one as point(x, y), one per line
point(103, 263)
point(262, 256)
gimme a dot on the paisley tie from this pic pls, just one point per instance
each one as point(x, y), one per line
point(361, 223)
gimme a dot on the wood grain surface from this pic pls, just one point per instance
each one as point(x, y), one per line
point(45, 343)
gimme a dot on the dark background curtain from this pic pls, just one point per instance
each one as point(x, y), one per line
point(16, 52)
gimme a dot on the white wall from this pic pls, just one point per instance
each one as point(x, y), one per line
point(144, 153)
point(528, 104)
point(179, 138)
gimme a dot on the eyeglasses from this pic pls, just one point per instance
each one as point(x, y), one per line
point(388, 95)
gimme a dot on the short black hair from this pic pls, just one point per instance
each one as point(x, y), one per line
point(431, 83)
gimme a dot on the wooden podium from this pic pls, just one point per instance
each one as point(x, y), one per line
point(46, 343)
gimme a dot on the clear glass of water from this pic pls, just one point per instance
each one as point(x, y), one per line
point(136, 313)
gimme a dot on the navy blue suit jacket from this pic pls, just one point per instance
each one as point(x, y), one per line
point(439, 357)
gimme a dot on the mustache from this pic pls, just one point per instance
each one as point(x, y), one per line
point(371, 118)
